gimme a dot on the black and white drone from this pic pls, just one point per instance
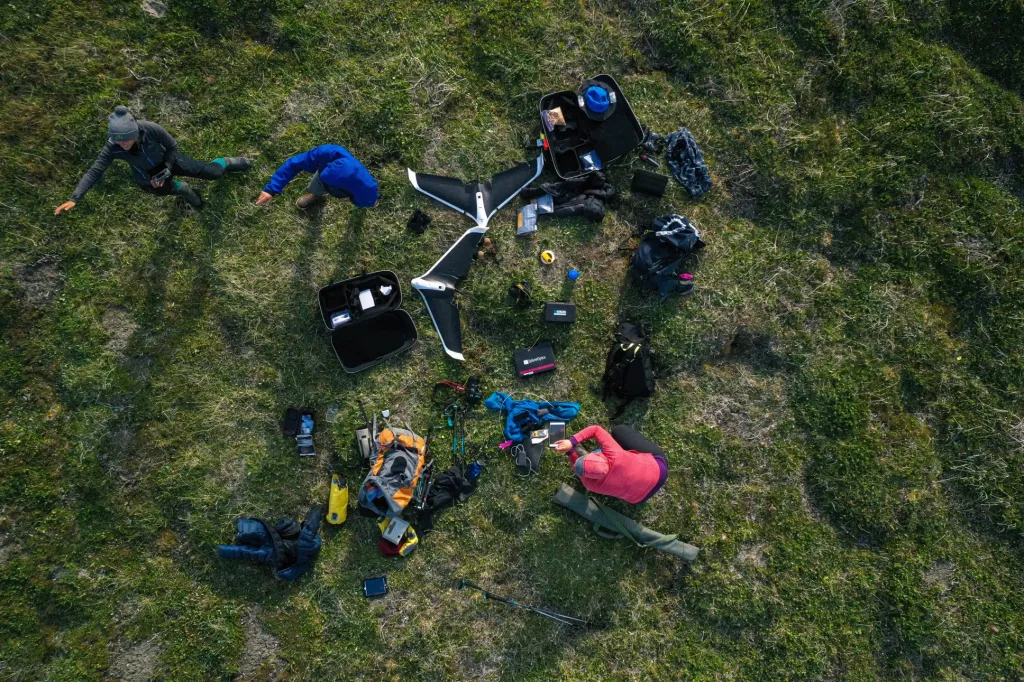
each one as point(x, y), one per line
point(479, 201)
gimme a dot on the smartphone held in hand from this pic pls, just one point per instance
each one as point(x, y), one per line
point(556, 432)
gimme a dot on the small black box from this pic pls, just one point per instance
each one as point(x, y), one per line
point(559, 312)
point(539, 358)
point(646, 182)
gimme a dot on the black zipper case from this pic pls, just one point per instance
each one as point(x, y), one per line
point(365, 319)
point(611, 138)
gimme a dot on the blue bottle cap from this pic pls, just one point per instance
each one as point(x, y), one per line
point(574, 274)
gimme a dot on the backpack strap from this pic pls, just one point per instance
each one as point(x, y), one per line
point(616, 371)
point(620, 408)
point(277, 541)
point(616, 367)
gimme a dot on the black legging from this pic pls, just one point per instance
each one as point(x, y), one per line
point(188, 167)
point(630, 439)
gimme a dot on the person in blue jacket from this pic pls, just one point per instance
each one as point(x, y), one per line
point(335, 172)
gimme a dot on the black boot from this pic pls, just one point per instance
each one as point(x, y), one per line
point(189, 195)
point(235, 163)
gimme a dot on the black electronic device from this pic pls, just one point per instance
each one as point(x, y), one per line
point(646, 182)
point(375, 587)
point(534, 360)
point(299, 424)
point(559, 312)
point(556, 432)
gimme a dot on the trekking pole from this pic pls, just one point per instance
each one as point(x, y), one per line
point(561, 618)
point(462, 434)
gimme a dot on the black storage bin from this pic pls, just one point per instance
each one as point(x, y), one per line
point(371, 335)
point(612, 138)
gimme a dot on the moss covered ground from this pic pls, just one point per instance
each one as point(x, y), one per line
point(840, 399)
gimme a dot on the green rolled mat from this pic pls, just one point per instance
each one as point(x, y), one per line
point(611, 524)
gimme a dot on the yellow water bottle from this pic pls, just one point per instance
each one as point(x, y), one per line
point(337, 507)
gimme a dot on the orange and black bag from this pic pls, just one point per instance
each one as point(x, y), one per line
point(394, 473)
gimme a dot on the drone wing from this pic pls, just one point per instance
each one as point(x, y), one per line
point(506, 184)
point(451, 192)
point(479, 201)
point(437, 287)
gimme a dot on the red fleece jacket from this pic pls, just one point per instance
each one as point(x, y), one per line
point(626, 474)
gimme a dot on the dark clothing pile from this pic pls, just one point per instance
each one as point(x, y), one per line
point(286, 546)
point(449, 487)
point(687, 163)
point(584, 196)
point(153, 151)
point(657, 260)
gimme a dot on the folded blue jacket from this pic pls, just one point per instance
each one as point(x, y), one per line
point(523, 414)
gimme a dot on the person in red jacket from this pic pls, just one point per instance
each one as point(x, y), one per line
point(627, 465)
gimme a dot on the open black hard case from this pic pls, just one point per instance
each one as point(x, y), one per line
point(373, 335)
point(612, 138)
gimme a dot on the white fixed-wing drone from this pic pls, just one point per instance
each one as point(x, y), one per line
point(479, 201)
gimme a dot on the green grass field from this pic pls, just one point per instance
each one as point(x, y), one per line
point(840, 400)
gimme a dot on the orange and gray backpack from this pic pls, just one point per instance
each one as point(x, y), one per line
point(394, 473)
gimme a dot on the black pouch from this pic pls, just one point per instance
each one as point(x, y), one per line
point(290, 423)
point(646, 182)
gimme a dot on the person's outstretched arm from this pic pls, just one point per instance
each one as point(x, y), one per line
point(283, 175)
point(573, 448)
point(603, 438)
point(91, 177)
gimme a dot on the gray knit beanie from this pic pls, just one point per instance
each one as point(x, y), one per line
point(122, 125)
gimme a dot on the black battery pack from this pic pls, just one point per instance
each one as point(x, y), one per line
point(559, 312)
point(539, 358)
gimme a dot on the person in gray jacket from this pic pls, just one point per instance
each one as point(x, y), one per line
point(154, 158)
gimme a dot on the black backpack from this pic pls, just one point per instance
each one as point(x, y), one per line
point(628, 372)
point(655, 264)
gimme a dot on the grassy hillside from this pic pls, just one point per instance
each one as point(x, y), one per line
point(840, 400)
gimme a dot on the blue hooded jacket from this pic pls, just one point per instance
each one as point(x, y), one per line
point(524, 412)
point(340, 172)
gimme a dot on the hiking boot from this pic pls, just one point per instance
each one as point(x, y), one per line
point(307, 200)
point(236, 164)
point(184, 191)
